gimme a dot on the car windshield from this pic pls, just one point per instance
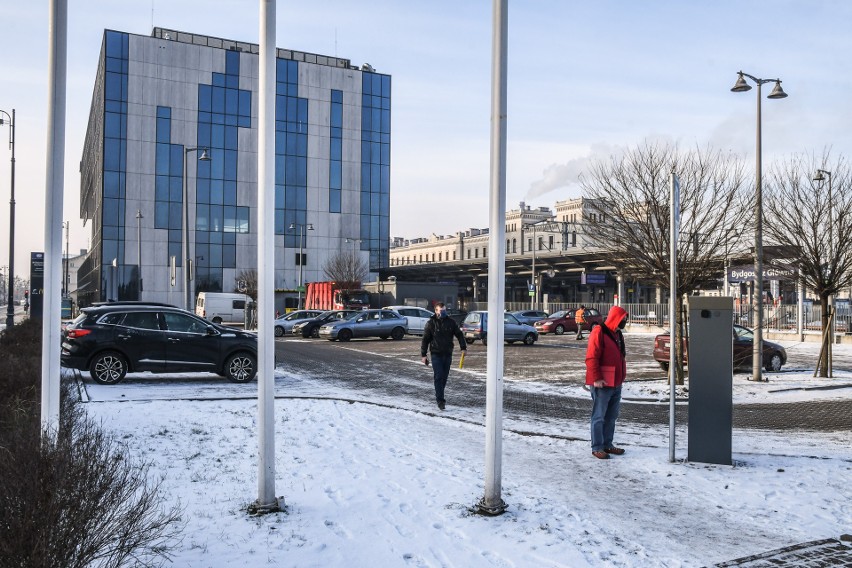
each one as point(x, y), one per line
point(354, 316)
point(744, 334)
point(559, 314)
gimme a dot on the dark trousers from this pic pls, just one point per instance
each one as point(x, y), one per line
point(441, 368)
point(579, 331)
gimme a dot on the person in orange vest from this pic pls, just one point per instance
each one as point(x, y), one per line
point(580, 320)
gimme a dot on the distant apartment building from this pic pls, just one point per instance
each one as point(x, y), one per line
point(176, 108)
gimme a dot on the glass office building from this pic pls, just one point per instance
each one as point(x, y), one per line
point(177, 113)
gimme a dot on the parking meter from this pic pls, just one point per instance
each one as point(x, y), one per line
point(710, 363)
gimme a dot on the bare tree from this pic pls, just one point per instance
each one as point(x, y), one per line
point(815, 226)
point(346, 268)
point(630, 224)
point(247, 278)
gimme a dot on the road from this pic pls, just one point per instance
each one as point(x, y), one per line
point(391, 369)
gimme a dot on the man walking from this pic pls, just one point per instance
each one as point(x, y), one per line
point(580, 320)
point(438, 338)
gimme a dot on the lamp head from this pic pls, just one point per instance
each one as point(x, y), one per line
point(310, 226)
point(205, 157)
point(777, 92)
point(292, 227)
point(741, 86)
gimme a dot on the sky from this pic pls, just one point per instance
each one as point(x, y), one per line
point(585, 81)
point(359, 493)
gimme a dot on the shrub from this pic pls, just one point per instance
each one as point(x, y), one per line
point(72, 498)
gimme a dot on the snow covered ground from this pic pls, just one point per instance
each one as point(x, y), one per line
point(390, 483)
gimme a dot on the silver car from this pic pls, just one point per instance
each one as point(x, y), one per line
point(285, 323)
point(416, 317)
point(368, 323)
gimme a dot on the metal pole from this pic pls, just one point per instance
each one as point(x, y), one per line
point(492, 503)
point(301, 233)
point(266, 498)
point(139, 218)
point(67, 280)
point(832, 313)
point(757, 354)
point(674, 222)
point(185, 229)
point(54, 189)
point(10, 307)
point(535, 288)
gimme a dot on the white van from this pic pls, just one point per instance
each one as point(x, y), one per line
point(222, 307)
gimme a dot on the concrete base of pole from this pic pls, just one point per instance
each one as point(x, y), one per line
point(490, 509)
point(258, 508)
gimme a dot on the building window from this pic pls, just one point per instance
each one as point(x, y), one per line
point(476, 253)
point(573, 238)
point(468, 254)
point(550, 242)
point(291, 153)
point(440, 255)
point(529, 244)
point(375, 165)
point(514, 245)
point(335, 164)
point(454, 255)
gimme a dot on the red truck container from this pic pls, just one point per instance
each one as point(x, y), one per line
point(328, 296)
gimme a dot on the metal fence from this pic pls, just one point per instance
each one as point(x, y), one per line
point(783, 317)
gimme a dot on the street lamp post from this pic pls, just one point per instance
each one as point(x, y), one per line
point(65, 280)
point(820, 176)
point(742, 86)
point(139, 218)
point(10, 306)
point(187, 266)
point(302, 229)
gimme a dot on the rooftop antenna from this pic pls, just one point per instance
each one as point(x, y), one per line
point(152, 15)
point(335, 42)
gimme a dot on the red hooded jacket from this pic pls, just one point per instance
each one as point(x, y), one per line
point(605, 358)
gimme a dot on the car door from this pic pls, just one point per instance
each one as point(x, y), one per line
point(189, 346)
point(140, 337)
point(367, 324)
point(743, 346)
point(512, 329)
point(389, 321)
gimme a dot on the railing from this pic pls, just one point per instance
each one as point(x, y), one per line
point(775, 318)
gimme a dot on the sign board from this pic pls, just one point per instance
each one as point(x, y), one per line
point(595, 278)
point(770, 272)
point(36, 284)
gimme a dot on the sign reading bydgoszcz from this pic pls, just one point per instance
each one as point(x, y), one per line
point(770, 272)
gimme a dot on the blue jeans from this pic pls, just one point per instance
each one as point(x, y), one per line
point(441, 369)
point(606, 402)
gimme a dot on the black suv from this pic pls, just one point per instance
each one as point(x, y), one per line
point(111, 339)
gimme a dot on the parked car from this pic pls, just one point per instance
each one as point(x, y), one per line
point(475, 327)
point(416, 317)
point(285, 323)
point(529, 317)
point(564, 321)
point(310, 328)
point(774, 356)
point(113, 339)
point(456, 314)
point(366, 323)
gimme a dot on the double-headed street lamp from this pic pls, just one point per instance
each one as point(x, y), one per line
point(302, 229)
point(742, 86)
point(187, 260)
point(10, 307)
point(820, 176)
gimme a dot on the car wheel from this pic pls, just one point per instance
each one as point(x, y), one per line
point(279, 331)
point(217, 320)
point(397, 333)
point(560, 329)
point(315, 333)
point(529, 339)
point(240, 367)
point(663, 365)
point(774, 363)
point(511, 342)
point(108, 368)
point(344, 335)
point(470, 341)
point(383, 337)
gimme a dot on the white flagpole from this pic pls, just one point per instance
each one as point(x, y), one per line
point(674, 224)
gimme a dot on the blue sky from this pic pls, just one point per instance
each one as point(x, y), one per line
point(585, 80)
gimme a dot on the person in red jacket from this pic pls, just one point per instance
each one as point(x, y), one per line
point(606, 368)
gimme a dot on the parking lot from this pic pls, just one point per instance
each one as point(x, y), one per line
point(557, 359)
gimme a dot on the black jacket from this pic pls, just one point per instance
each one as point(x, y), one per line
point(438, 336)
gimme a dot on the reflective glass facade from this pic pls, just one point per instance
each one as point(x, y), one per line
point(375, 167)
point(291, 153)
